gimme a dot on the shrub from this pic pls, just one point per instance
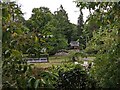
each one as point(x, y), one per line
point(74, 77)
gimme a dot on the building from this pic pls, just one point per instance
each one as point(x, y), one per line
point(74, 44)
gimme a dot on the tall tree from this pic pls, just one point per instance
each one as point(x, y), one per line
point(80, 33)
point(64, 25)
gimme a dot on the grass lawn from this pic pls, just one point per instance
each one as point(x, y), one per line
point(58, 60)
point(54, 60)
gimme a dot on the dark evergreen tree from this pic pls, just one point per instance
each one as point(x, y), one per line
point(80, 33)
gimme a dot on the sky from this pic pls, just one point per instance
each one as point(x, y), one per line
point(68, 5)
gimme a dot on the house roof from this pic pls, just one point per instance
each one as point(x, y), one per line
point(74, 43)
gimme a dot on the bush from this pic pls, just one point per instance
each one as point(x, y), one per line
point(74, 77)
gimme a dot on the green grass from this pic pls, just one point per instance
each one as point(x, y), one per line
point(58, 60)
point(54, 60)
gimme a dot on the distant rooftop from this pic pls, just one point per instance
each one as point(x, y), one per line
point(74, 43)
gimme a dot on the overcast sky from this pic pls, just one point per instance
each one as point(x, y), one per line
point(68, 5)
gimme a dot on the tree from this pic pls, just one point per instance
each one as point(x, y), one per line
point(65, 27)
point(45, 25)
point(15, 69)
point(80, 30)
point(105, 41)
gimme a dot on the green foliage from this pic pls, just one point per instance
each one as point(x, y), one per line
point(63, 24)
point(54, 32)
point(55, 29)
point(104, 41)
point(43, 79)
point(62, 77)
point(15, 69)
point(80, 33)
point(107, 57)
point(42, 30)
point(72, 76)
